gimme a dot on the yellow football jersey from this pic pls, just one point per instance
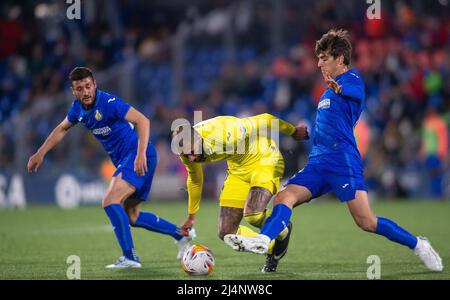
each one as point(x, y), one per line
point(245, 144)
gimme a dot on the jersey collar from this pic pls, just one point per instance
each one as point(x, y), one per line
point(343, 74)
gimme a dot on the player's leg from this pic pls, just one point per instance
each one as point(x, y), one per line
point(301, 188)
point(229, 220)
point(118, 191)
point(280, 247)
point(364, 217)
point(232, 201)
point(283, 203)
point(155, 223)
point(264, 183)
point(149, 220)
point(255, 211)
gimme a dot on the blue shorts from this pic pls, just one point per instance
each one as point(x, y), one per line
point(338, 173)
point(142, 184)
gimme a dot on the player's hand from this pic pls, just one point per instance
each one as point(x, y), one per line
point(187, 225)
point(35, 162)
point(140, 165)
point(301, 133)
point(332, 83)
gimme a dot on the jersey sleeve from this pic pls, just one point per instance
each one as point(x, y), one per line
point(194, 184)
point(72, 114)
point(119, 108)
point(266, 120)
point(353, 89)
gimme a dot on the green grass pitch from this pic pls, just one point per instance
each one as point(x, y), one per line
point(325, 244)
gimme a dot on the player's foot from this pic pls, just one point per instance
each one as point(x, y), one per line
point(257, 244)
point(426, 253)
point(279, 250)
point(271, 264)
point(124, 263)
point(184, 243)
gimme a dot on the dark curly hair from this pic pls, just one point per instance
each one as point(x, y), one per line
point(335, 42)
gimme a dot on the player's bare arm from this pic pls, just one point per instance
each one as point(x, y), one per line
point(52, 140)
point(142, 124)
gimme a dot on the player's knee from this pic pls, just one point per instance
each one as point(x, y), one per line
point(109, 201)
point(285, 198)
point(279, 199)
point(113, 196)
point(256, 219)
point(367, 224)
point(133, 218)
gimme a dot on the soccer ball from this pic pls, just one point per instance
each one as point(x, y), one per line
point(198, 260)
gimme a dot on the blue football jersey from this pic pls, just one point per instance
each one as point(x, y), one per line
point(106, 121)
point(337, 116)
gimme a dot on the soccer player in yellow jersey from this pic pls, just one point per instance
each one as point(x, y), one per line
point(255, 167)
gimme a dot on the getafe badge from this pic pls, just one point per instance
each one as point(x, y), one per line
point(98, 115)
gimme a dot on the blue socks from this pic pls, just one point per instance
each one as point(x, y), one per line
point(277, 221)
point(121, 223)
point(281, 215)
point(394, 232)
point(152, 222)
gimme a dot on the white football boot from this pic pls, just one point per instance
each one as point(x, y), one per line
point(257, 244)
point(124, 263)
point(427, 254)
point(184, 243)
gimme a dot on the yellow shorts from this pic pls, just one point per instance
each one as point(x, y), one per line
point(237, 186)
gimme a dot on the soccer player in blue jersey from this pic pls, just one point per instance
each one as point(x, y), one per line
point(124, 133)
point(335, 162)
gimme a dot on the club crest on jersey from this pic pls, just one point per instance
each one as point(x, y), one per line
point(98, 115)
point(325, 103)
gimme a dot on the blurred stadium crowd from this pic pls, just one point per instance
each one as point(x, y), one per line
point(169, 58)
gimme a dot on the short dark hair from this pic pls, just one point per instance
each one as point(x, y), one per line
point(80, 73)
point(336, 43)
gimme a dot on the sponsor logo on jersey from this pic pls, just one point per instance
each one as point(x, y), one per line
point(111, 99)
point(98, 115)
point(324, 104)
point(102, 131)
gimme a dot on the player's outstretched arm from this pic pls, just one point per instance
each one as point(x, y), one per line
point(298, 133)
point(142, 124)
point(52, 140)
